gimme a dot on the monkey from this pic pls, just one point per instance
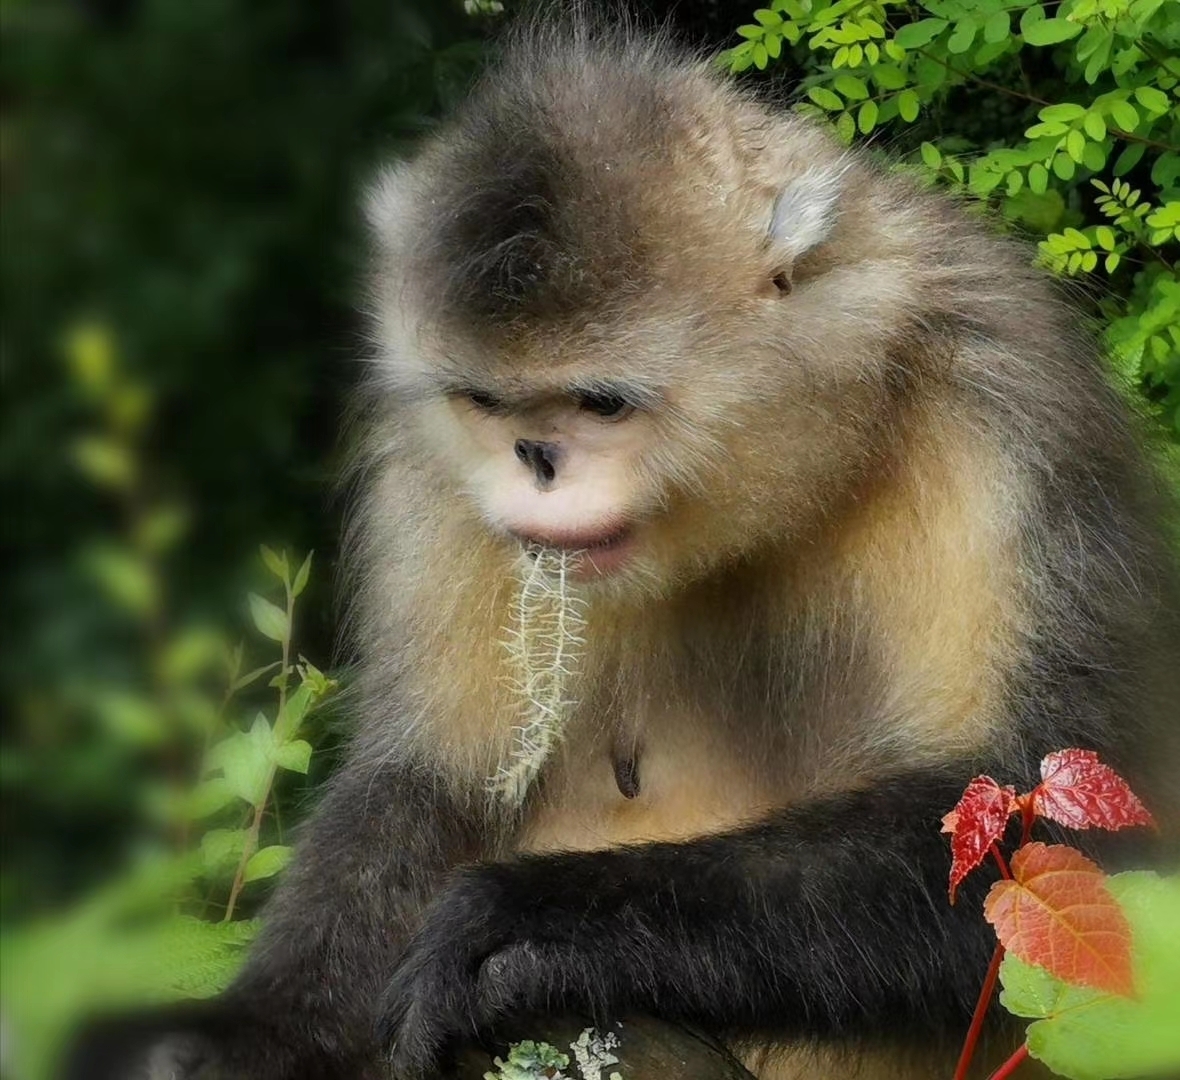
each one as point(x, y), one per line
point(728, 500)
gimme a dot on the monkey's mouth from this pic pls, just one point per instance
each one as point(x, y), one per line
point(594, 554)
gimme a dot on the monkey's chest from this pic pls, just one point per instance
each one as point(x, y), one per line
point(672, 778)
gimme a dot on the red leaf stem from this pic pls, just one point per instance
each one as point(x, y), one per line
point(977, 1018)
point(1012, 1064)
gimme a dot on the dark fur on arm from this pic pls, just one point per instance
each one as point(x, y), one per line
point(829, 920)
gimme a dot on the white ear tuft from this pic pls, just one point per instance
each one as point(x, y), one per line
point(385, 198)
point(805, 211)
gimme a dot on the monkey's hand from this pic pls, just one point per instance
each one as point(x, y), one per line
point(501, 940)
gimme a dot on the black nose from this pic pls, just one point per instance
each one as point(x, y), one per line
point(541, 457)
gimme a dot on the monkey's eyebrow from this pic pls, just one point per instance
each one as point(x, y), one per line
point(639, 397)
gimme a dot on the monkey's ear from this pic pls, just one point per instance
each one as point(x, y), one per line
point(805, 211)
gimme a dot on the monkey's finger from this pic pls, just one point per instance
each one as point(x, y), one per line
point(513, 979)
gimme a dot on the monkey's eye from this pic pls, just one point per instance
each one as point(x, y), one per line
point(608, 406)
point(782, 282)
point(482, 400)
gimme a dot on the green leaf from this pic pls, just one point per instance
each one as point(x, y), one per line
point(889, 77)
point(161, 528)
point(1051, 130)
point(1151, 99)
point(738, 58)
point(845, 128)
point(1087, 1034)
point(1066, 112)
point(825, 99)
point(988, 52)
point(1094, 156)
point(294, 710)
point(964, 34)
point(1104, 234)
point(851, 87)
point(246, 761)
point(295, 756)
point(1165, 173)
point(908, 106)
point(753, 33)
point(127, 579)
point(1049, 31)
point(996, 28)
point(221, 849)
point(1099, 59)
point(1124, 115)
point(190, 653)
point(252, 676)
point(929, 74)
point(1095, 126)
point(920, 33)
point(1063, 167)
point(931, 155)
point(1038, 178)
point(275, 563)
point(866, 118)
point(207, 798)
point(1075, 145)
point(768, 18)
point(271, 621)
point(267, 862)
point(761, 56)
point(105, 462)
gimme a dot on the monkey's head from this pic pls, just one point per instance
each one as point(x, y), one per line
point(631, 312)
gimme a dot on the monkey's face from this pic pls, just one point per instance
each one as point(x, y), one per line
point(564, 467)
point(655, 350)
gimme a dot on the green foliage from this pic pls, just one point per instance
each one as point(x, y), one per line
point(1087, 1034)
point(124, 946)
point(529, 1060)
point(1071, 131)
point(209, 737)
point(180, 184)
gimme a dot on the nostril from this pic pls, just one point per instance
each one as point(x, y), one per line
point(541, 457)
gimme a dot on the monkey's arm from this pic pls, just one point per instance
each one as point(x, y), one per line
point(305, 1007)
point(829, 919)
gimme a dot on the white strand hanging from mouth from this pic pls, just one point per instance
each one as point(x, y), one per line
point(544, 645)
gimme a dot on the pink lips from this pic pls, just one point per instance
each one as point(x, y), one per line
point(600, 552)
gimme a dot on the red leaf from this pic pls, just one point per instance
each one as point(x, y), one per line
point(1057, 913)
point(1078, 790)
point(976, 823)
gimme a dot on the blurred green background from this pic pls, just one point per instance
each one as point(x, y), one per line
point(180, 261)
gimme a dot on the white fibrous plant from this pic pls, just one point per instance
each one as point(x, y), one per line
point(594, 1052)
point(544, 643)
